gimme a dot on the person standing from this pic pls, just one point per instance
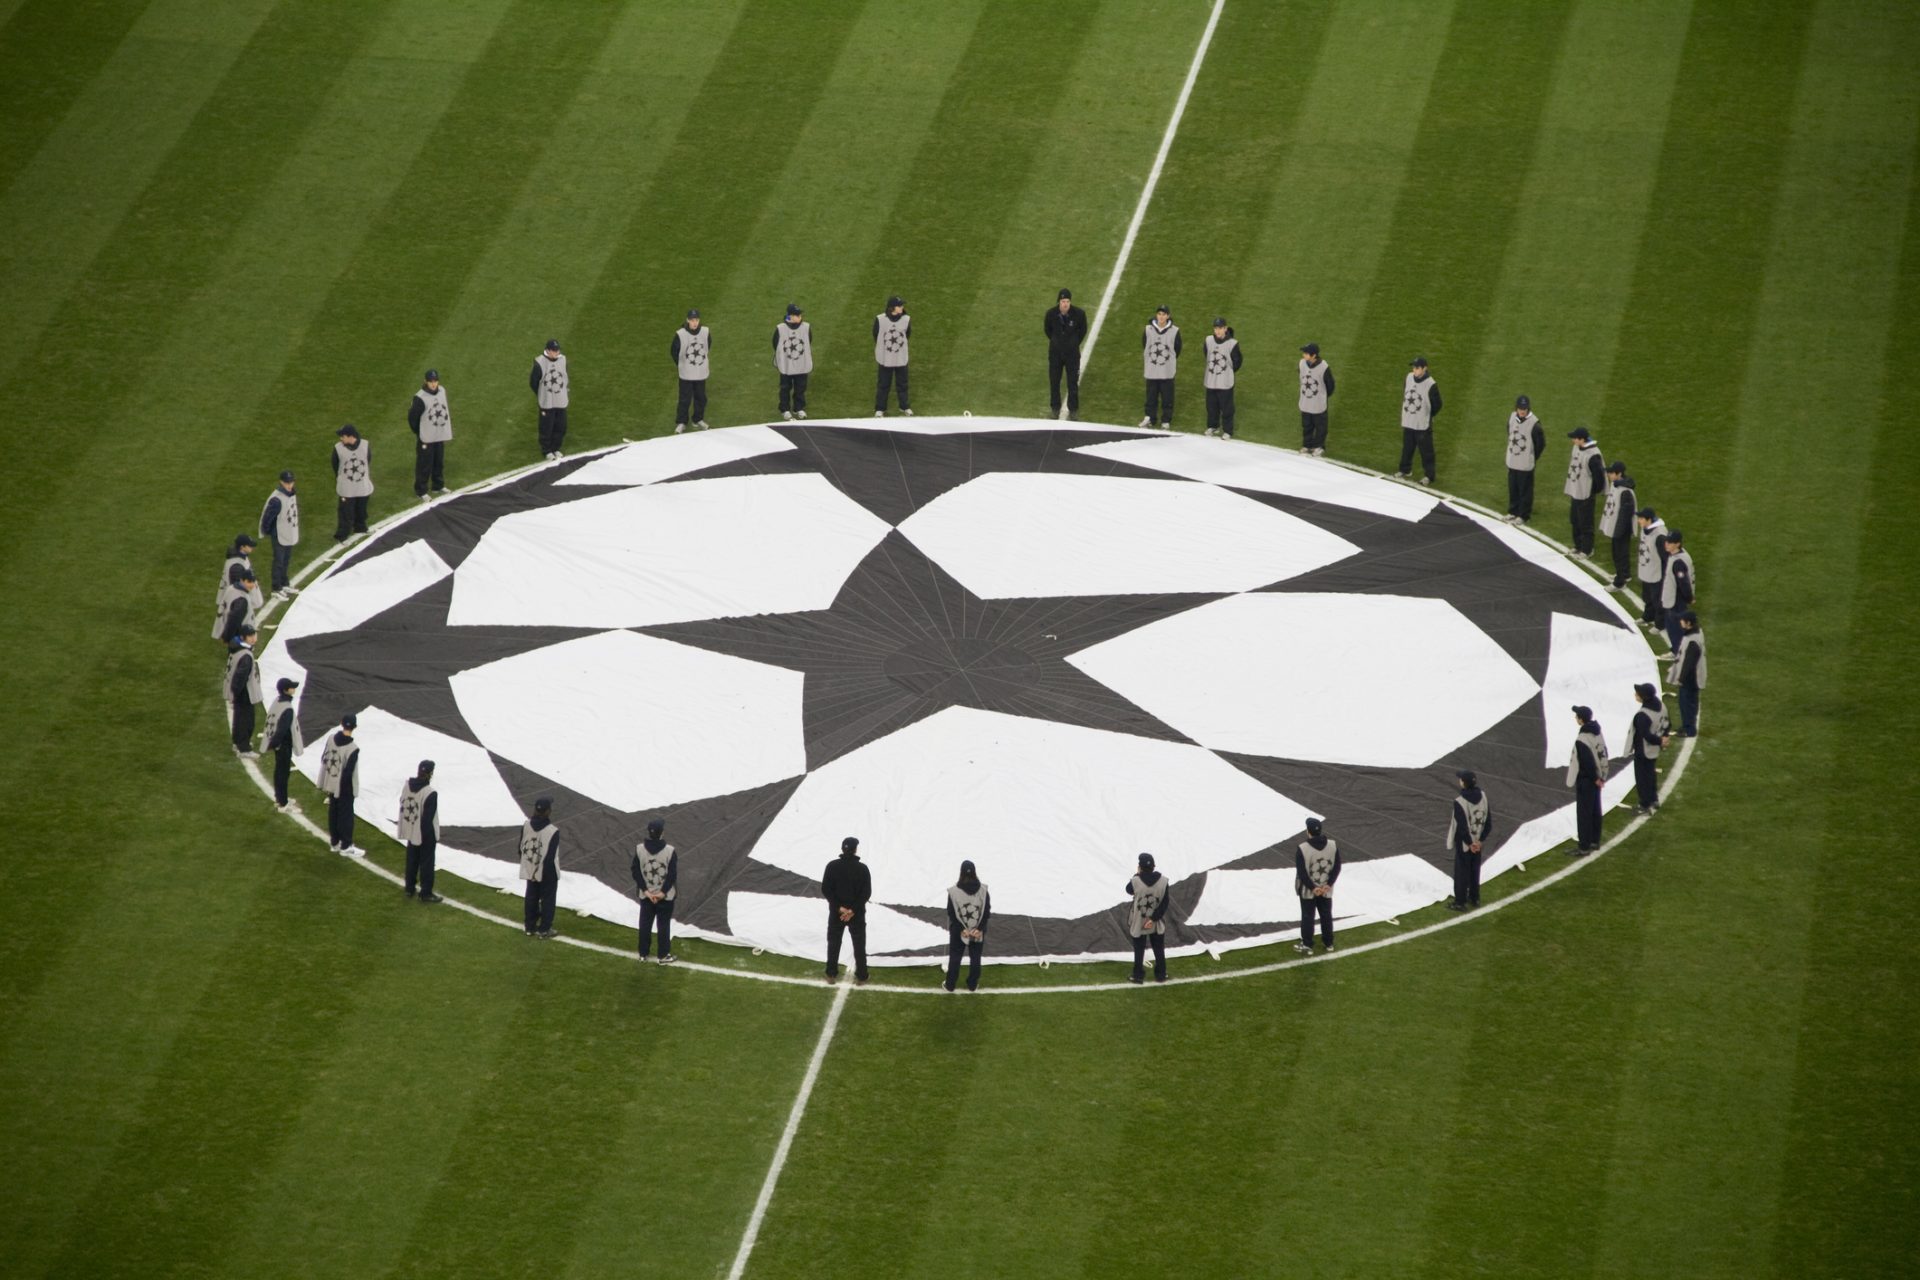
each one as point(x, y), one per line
point(352, 460)
point(243, 691)
point(892, 334)
point(1469, 827)
point(340, 780)
point(692, 354)
point(1617, 523)
point(968, 909)
point(656, 872)
point(1526, 441)
point(540, 868)
point(1316, 390)
point(847, 885)
point(552, 388)
point(1160, 358)
point(1419, 410)
point(419, 829)
point(280, 526)
point(432, 424)
point(1146, 919)
point(793, 357)
point(239, 560)
point(1222, 352)
point(1677, 587)
point(1689, 671)
point(243, 604)
point(282, 737)
point(1650, 732)
point(1653, 565)
point(1316, 865)
point(1586, 773)
point(1586, 480)
point(1066, 328)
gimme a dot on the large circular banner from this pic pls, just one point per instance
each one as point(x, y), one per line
point(1045, 647)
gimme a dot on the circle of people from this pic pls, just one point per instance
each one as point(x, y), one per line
point(1645, 552)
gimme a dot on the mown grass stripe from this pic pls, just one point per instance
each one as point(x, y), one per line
point(51, 51)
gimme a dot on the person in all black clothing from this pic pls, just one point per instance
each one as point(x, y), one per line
point(1066, 327)
point(968, 909)
point(846, 885)
point(1316, 865)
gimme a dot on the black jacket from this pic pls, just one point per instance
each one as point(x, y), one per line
point(847, 883)
point(1066, 332)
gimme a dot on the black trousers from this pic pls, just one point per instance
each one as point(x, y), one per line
point(340, 821)
point(1626, 557)
point(1586, 813)
point(894, 376)
point(1220, 410)
point(1520, 493)
point(1313, 429)
point(656, 915)
point(793, 391)
point(353, 518)
point(429, 467)
point(1158, 941)
point(282, 558)
point(1159, 406)
point(420, 866)
point(1646, 780)
point(1466, 877)
point(1411, 440)
point(1311, 907)
point(242, 724)
point(1650, 611)
point(836, 927)
point(1689, 710)
point(1068, 364)
point(542, 894)
point(1581, 513)
point(553, 430)
point(693, 400)
point(282, 774)
point(973, 948)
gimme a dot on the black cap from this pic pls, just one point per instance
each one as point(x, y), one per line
point(1313, 826)
point(1674, 535)
point(349, 721)
point(1616, 468)
point(425, 770)
point(246, 575)
point(1219, 322)
point(1146, 862)
point(243, 540)
point(693, 313)
point(1648, 512)
point(553, 344)
point(850, 844)
point(655, 826)
point(1311, 349)
point(348, 430)
point(1688, 619)
point(1585, 713)
point(283, 684)
point(286, 477)
point(433, 375)
point(895, 300)
point(1163, 310)
point(1418, 362)
point(793, 309)
point(1521, 402)
point(1468, 778)
point(1066, 293)
point(1647, 692)
point(249, 630)
point(1579, 433)
point(543, 805)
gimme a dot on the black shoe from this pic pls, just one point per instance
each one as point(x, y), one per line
point(409, 891)
point(1159, 977)
point(1456, 906)
point(547, 933)
point(1136, 980)
point(832, 976)
point(859, 979)
point(948, 986)
point(431, 897)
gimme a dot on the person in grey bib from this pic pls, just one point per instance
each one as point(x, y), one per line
point(892, 336)
point(1147, 919)
point(1221, 351)
point(1316, 865)
point(552, 387)
point(1677, 586)
point(432, 425)
point(1066, 329)
point(282, 737)
point(540, 868)
point(340, 782)
point(1650, 733)
point(1469, 827)
point(1526, 441)
point(1586, 774)
point(1586, 481)
point(1160, 358)
point(1689, 671)
point(656, 873)
point(1652, 565)
point(1316, 391)
point(280, 526)
point(1419, 410)
point(242, 687)
point(969, 908)
point(793, 358)
point(1617, 523)
point(352, 461)
point(692, 354)
point(239, 604)
point(237, 564)
point(419, 829)
point(847, 885)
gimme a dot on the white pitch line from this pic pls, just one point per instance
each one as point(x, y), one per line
point(1146, 192)
point(799, 1109)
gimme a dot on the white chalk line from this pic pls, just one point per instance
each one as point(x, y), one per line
point(1146, 192)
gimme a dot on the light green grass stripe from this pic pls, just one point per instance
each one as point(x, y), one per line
point(66, 204)
point(1681, 1201)
point(50, 52)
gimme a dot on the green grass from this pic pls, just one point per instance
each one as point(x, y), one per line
point(225, 229)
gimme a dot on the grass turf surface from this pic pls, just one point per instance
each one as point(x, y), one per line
point(225, 229)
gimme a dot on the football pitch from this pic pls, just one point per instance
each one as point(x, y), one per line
point(227, 228)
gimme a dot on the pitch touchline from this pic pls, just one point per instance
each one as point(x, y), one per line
point(1146, 192)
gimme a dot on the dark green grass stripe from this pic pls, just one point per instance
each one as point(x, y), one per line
point(50, 52)
point(1456, 208)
